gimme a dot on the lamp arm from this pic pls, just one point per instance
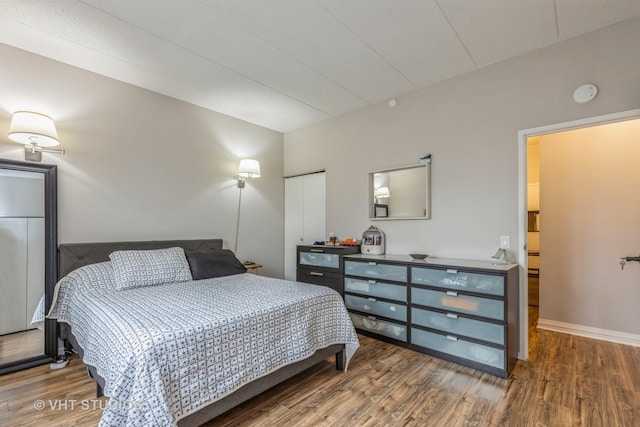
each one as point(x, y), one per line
point(32, 148)
point(235, 246)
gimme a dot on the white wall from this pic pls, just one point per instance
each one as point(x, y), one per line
point(142, 166)
point(469, 124)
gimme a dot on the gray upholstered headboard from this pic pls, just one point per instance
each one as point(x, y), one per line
point(75, 255)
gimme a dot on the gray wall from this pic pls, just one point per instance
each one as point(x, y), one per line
point(142, 166)
point(470, 125)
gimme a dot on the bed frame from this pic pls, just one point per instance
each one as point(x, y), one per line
point(72, 256)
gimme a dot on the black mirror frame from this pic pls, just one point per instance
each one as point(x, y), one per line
point(51, 260)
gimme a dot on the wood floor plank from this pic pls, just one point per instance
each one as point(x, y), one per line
point(21, 345)
point(567, 381)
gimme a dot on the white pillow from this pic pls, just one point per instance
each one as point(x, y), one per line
point(151, 267)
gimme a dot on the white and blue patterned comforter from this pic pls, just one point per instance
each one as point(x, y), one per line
point(165, 351)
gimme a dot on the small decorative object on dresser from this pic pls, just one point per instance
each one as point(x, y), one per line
point(463, 311)
point(373, 241)
point(323, 265)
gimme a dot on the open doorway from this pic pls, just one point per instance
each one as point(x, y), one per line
point(588, 217)
point(533, 222)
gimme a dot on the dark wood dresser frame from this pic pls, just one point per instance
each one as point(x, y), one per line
point(319, 274)
point(509, 301)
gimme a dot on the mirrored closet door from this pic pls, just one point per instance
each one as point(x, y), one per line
point(28, 266)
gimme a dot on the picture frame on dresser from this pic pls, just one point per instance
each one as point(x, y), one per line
point(380, 210)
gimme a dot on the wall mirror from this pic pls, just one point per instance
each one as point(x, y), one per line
point(28, 264)
point(400, 193)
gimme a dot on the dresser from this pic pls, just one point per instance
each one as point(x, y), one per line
point(462, 311)
point(323, 265)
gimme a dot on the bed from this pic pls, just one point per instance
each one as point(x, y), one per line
point(183, 352)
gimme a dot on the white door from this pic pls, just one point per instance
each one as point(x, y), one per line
point(35, 266)
point(589, 218)
point(293, 223)
point(304, 215)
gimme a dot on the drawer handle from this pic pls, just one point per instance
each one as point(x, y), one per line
point(373, 282)
point(372, 299)
point(373, 263)
point(452, 338)
point(452, 271)
point(452, 293)
point(452, 316)
point(317, 250)
point(313, 273)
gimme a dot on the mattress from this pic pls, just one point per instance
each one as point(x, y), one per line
point(167, 350)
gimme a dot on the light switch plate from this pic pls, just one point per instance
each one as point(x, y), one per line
point(505, 242)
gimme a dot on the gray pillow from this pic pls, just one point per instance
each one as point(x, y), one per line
point(151, 267)
point(221, 262)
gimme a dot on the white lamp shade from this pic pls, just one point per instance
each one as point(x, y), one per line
point(33, 128)
point(249, 168)
point(382, 192)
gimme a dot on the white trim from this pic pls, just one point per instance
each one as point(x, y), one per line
point(523, 354)
point(590, 332)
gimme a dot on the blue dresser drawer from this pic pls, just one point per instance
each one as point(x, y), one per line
point(379, 326)
point(459, 281)
point(375, 270)
point(377, 289)
point(456, 325)
point(457, 347)
point(452, 301)
point(319, 258)
point(375, 307)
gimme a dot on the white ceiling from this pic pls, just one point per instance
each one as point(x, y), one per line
point(285, 64)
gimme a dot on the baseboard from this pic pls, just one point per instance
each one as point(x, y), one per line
point(590, 332)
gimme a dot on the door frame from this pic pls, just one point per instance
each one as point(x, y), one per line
point(523, 136)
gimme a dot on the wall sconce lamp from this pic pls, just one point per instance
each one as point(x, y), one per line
point(36, 131)
point(247, 169)
point(381, 193)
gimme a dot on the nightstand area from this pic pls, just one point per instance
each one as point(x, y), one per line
point(253, 268)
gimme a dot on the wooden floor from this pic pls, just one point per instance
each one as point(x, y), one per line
point(533, 290)
point(568, 381)
point(21, 345)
